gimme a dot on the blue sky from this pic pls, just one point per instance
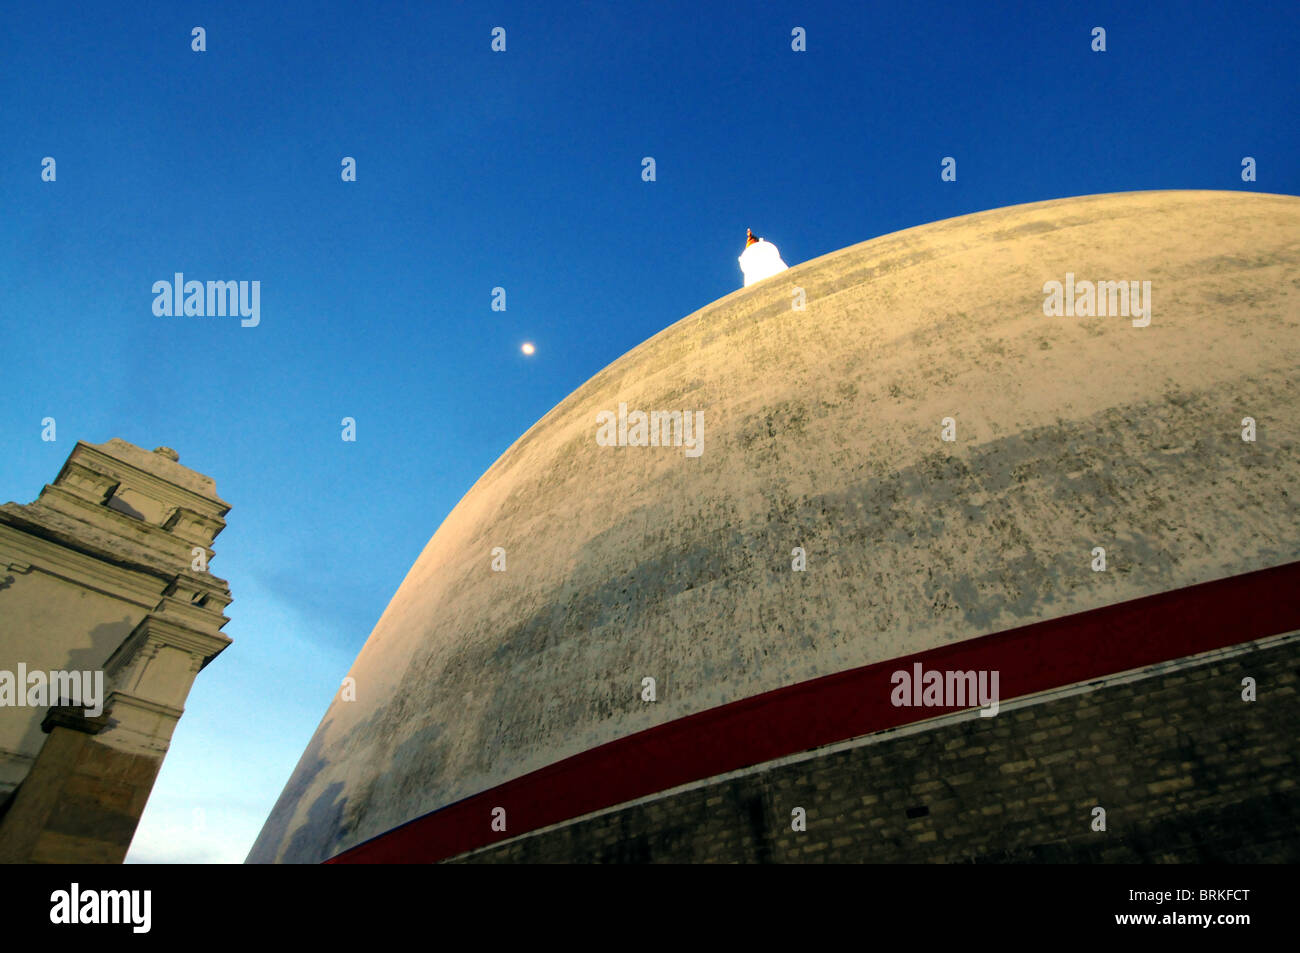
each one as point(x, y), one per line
point(475, 170)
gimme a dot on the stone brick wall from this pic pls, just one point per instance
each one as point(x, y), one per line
point(1186, 770)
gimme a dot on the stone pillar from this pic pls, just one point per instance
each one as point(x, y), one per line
point(82, 799)
point(105, 574)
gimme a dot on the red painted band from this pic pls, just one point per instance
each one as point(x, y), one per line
point(1030, 659)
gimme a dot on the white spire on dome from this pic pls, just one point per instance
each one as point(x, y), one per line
point(760, 260)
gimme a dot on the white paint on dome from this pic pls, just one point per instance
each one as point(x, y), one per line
point(761, 260)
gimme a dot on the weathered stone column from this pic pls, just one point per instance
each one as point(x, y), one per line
point(82, 799)
point(106, 574)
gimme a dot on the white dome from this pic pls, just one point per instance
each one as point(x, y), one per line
point(761, 260)
point(822, 431)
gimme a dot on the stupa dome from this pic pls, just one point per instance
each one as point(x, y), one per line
point(824, 430)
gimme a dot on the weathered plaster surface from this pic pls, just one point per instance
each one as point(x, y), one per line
point(97, 574)
point(822, 431)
